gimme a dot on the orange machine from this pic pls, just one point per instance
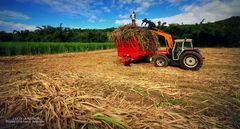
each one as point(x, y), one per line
point(167, 37)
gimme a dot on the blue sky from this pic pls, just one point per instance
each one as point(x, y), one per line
point(27, 14)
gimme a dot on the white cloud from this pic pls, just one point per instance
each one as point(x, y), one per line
point(143, 6)
point(10, 26)
point(106, 9)
point(102, 20)
point(124, 16)
point(92, 19)
point(86, 8)
point(125, 1)
point(139, 6)
point(91, 9)
point(123, 22)
point(8, 14)
point(127, 21)
point(75, 27)
point(175, 1)
point(210, 11)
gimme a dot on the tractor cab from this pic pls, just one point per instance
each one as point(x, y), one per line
point(180, 46)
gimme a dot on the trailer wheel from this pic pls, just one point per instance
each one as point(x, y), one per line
point(148, 59)
point(191, 60)
point(127, 64)
point(161, 61)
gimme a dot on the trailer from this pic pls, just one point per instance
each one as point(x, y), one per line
point(131, 50)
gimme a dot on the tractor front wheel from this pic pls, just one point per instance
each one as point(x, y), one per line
point(191, 60)
point(161, 61)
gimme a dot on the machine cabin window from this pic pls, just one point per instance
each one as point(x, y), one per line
point(187, 45)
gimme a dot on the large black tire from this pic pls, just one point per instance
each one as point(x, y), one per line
point(127, 64)
point(191, 60)
point(161, 61)
point(148, 59)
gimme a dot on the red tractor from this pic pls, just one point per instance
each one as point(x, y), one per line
point(181, 51)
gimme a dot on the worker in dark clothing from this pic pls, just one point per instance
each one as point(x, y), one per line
point(151, 25)
point(133, 17)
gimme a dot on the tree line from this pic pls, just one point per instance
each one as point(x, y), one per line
point(57, 34)
point(221, 33)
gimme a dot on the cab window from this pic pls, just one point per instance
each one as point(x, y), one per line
point(187, 45)
point(178, 45)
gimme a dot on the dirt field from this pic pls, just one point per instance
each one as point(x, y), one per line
point(143, 95)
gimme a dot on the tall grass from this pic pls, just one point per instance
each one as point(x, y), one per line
point(32, 48)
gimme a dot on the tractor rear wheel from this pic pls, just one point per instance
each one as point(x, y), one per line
point(191, 60)
point(161, 61)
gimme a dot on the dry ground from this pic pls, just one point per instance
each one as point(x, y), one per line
point(143, 95)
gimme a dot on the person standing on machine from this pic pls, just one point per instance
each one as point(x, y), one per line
point(133, 17)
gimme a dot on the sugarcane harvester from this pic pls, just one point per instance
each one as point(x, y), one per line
point(179, 51)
